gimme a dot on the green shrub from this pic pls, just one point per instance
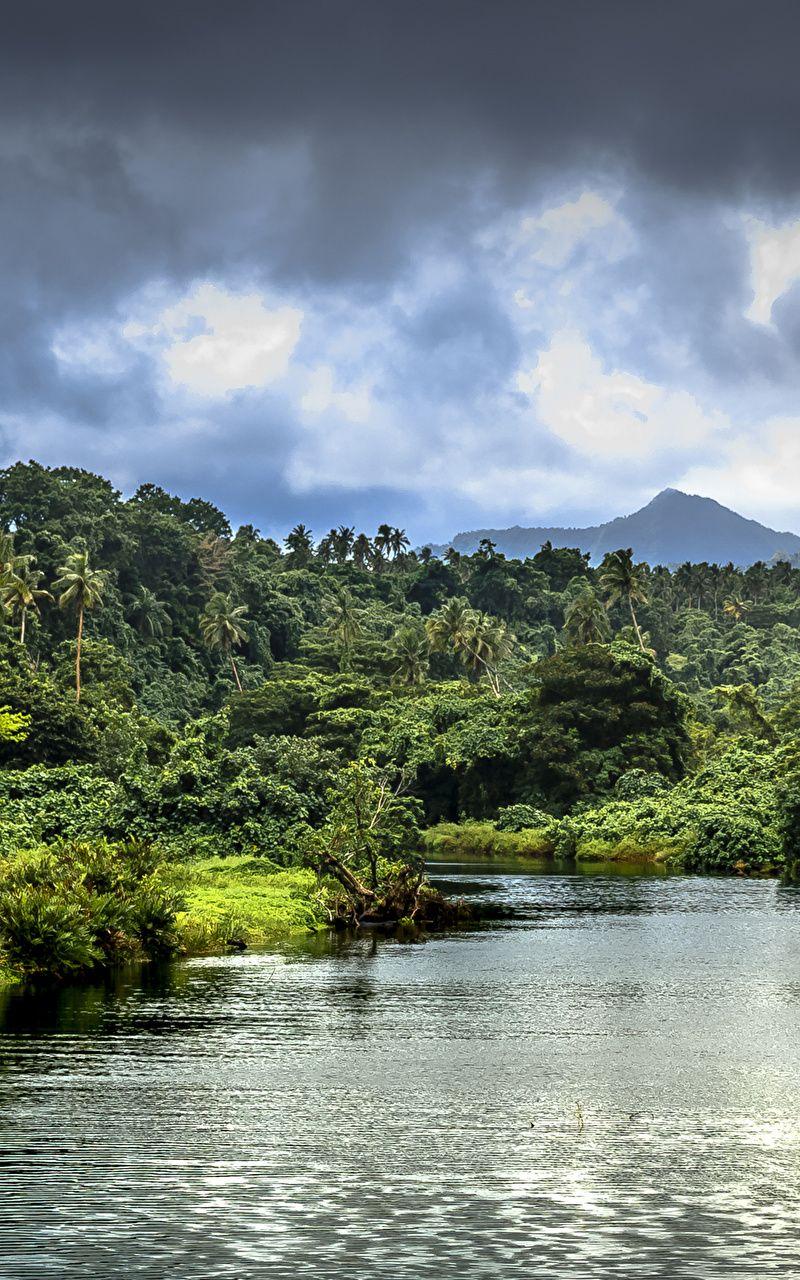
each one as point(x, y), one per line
point(44, 803)
point(630, 848)
point(482, 840)
point(74, 906)
point(637, 783)
point(524, 817)
point(42, 933)
point(723, 818)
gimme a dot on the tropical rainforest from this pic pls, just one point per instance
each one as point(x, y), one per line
point(205, 733)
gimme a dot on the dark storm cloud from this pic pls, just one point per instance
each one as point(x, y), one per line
point(328, 145)
point(692, 265)
point(698, 91)
point(398, 102)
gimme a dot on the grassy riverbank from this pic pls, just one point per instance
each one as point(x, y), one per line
point(731, 816)
point(244, 900)
point(72, 909)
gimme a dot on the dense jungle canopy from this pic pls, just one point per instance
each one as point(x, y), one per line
point(168, 679)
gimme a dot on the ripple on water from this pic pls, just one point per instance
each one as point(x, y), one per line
point(605, 1086)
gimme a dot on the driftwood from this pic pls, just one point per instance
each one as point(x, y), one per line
point(405, 897)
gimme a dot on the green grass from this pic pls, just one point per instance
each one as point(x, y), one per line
point(482, 840)
point(244, 898)
point(631, 848)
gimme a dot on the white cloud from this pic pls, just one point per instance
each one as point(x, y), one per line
point(610, 414)
point(774, 265)
point(553, 236)
point(213, 341)
point(95, 349)
point(323, 396)
point(524, 491)
point(344, 453)
point(758, 474)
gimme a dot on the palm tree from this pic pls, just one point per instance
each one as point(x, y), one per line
point(363, 552)
point(449, 626)
point(715, 580)
point(221, 624)
point(736, 608)
point(622, 580)
point(148, 614)
point(684, 579)
point(14, 571)
point(480, 640)
point(663, 586)
point(20, 592)
point(585, 620)
point(383, 539)
point(756, 578)
point(486, 549)
point(486, 643)
point(81, 588)
point(300, 546)
point(458, 563)
point(398, 542)
point(409, 655)
point(378, 561)
point(344, 624)
point(782, 572)
point(325, 548)
point(342, 542)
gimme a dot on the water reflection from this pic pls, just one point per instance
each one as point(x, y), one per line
point(604, 1084)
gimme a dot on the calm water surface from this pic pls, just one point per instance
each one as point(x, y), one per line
point(605, 1086)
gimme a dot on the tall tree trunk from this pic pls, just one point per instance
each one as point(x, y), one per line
point(636, 624)
point(491, 674)
point(236, 675)
point(78, 656)
point(22, 626)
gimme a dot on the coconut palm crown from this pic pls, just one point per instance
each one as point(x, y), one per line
point(79, 587)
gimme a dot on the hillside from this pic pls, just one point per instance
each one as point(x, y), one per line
point(670, 529)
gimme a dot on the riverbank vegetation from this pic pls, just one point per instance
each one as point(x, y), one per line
point(322, 710)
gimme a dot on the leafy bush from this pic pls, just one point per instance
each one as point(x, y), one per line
point(42, 804)
point(483, 840)
point(207, 799)
point(74, 906)
point(41, 933)
point(724, 818)
point(524, 817)
point(636, 783)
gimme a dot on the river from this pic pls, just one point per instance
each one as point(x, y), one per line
point(605, 1085)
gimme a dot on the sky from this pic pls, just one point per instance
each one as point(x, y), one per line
point(446, 264)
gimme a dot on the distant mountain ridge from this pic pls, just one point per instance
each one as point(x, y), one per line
point(670, 529)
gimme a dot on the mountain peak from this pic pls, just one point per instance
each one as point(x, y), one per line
point(674, 496)
point(673, 527)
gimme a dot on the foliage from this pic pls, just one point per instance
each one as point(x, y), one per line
point(72, 906)
point(214, 693)
point(597, 712)
point(485, 840)
point(14, 726)
point(244, 900)
point(44, 804)
point(369, 825)
point(725, 817)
